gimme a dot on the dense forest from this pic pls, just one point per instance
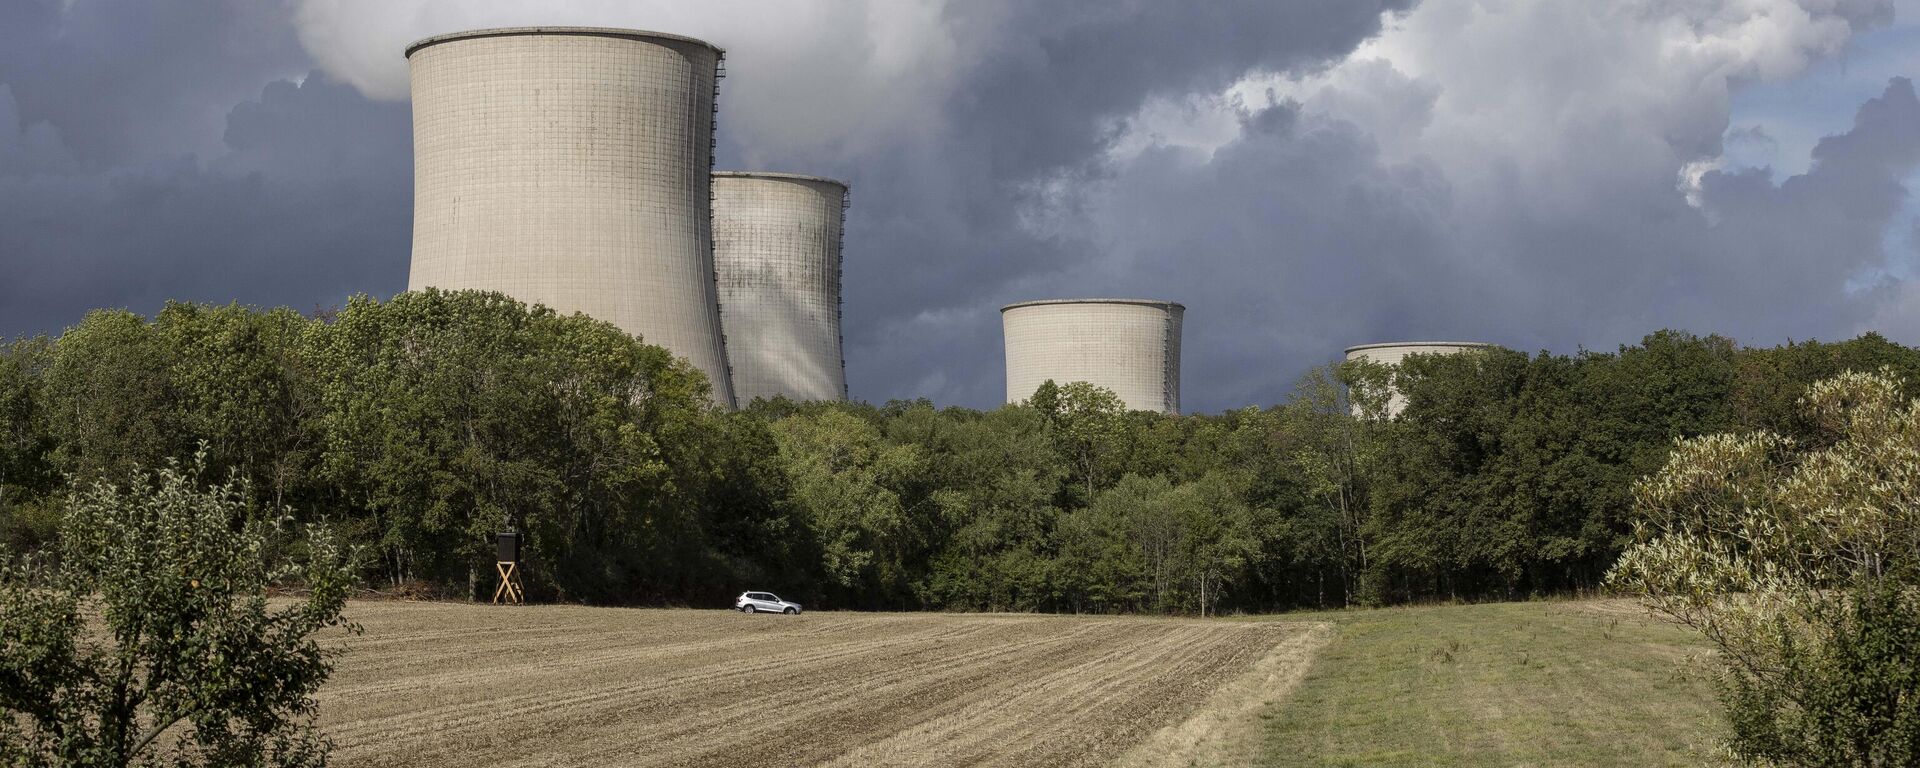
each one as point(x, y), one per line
point(419, 426)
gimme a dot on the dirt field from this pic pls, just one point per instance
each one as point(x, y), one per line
point(454, 685)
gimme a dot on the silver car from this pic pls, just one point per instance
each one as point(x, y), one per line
point(756, 602)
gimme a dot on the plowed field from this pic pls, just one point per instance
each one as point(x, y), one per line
point(457, 685)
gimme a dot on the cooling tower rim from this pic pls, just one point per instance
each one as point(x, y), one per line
point(631, 34)
point(1450, 344)
point(780, 177)
point(1156, 303)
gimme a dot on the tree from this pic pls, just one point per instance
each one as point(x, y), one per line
point(1802, 566)
point(1334, 448)
point(1552, 516)
point(1173, 547)
point(1218, 537)
point(27, 478)
point(108, 401)
point(1296, 534)
point(1672, 385)
point(1769, 382)
point(746, 519)
point(446, 416)
point(993, 480)
point(151, 642)
point(1432, 524)
point(422, 424)
point(1087, 425)
point(237, 382)
point(845, 481)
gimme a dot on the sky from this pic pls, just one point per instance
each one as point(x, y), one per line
point(1304, 175)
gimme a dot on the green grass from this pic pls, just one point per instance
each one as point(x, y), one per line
point(1537, 684)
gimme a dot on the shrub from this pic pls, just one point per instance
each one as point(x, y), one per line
point(1847, 698)
point(1799, 563)
point(150, 641)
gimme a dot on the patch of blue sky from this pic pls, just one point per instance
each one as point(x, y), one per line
point(1776, 125)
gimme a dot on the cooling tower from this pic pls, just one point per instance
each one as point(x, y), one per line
point(1130, 346)
point(776, 255)
point(1393, 353)
point(569, 167)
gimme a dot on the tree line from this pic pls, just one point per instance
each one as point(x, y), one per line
point(416, 428)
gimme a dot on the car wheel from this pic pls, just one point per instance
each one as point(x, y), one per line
point(748, 609)
point(789, 611)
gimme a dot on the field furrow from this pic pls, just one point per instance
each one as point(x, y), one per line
point(444, 685)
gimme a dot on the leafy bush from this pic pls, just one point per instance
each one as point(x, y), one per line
point(1799, 562)
point(1850, 696)
point(151, 642)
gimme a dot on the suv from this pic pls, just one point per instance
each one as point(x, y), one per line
point(754, 602)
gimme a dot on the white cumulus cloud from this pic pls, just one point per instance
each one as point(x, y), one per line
point(804, 76)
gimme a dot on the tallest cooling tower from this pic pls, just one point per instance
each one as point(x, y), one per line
point(569, 167)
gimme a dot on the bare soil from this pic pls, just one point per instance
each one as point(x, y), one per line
point(438, 684)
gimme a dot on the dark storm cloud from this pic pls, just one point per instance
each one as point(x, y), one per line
point(1327, 244)
point(935, 243)
point(199, 171)
point(1067, 65)
point(1761, 262)
point(307, 204)
point(1516, 182)
point(1284, 243)
point(161, 150)
point(1793, 249)
point(131, 81)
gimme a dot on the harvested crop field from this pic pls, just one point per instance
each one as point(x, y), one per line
point(433, 684)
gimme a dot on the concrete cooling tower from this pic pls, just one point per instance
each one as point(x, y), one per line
point(1393, 353)
point(776, 253)
point(569, 167)
point(1130, 346)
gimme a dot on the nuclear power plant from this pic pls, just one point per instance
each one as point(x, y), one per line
point(569, 166)
point(573, 167)
point(1130, 346)
point(776, 252)
point(1392, 353)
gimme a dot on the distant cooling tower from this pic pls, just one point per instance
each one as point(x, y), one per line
point(569, 167)
point(1393, 353)
point(776, 251)
point(1130, 346)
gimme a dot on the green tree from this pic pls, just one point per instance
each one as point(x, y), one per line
point(993, 480)
point(845, 481)
point(1087, 426)
point(237, 382)
point(1554, 516)
point(1770, 381)
point(746, 524)
point(1673, 385)
point(1218, 541)
point(1182, 543)
point(118, 391)
point(1802, 566)
point(446, 416)
point(151, 642)
point(27, 477)
point(109, 403)
point(1334, 448)
point(1099, 570)
point(1299, 559)
point(1433, 525)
